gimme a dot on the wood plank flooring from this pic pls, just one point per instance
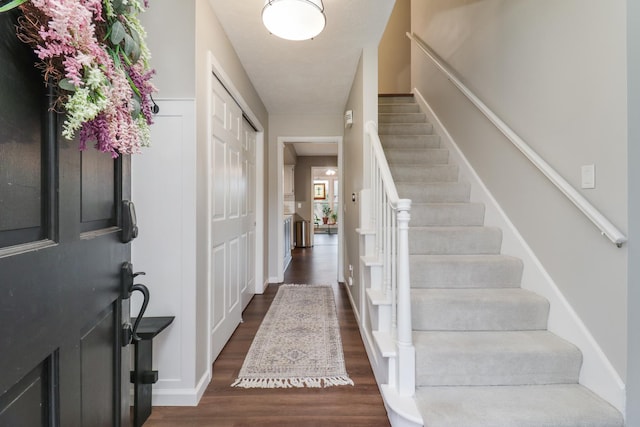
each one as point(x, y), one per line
point(223, 405)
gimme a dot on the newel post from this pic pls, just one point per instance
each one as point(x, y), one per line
point(406, 351)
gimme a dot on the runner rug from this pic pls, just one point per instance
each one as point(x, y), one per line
point(298, 343)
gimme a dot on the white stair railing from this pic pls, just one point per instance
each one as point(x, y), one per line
point(389, 220)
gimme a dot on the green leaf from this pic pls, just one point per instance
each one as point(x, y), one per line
point(135, 101)
point(137, 52)
point(128, 44)
point(118, 7)
point(117, 32)
point(11, 5)
point(135, 34)
point(66, 84)
point(131, 48)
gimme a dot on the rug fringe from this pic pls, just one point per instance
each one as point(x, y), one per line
point(291, 382)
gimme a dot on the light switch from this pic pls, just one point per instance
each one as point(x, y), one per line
point(299, 205)
point(588, 176)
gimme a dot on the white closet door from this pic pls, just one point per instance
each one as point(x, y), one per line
point(232, 186)
point(248, 211)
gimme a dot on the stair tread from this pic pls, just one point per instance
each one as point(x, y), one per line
point(561, 405)
point(466, 258)
point(477, 295)
point(436, 228)
point(462, 358)
point(417, 113)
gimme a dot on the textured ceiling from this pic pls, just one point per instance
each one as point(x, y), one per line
point(304, 77)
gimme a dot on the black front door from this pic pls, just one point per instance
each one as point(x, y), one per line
point(61, 359)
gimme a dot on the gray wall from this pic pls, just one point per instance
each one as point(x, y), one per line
point(172, 52)
point(394, 51)
point(555, 71)
point(303, 181)
point(363, 101)
point(633, 91)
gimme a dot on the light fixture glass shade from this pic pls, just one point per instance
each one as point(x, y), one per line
point(294, 19)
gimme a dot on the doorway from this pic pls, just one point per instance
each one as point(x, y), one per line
point(310, 152)
point(325, 193)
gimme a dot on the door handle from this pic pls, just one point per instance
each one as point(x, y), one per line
point(127, 287)
point(145, 302)
point(130, 333)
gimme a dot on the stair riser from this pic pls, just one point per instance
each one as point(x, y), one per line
point(430, 173)
point(421, 156)
point(461, 310)
point(447, 214)
point(385, 100)
point(452, 362)
point(405, 129)
point(452, 240)
point(410, 141)
point(453, 192)
point(402, 118)
point(500, 272)
point(398, 108)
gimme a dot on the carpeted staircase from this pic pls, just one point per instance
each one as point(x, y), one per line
point(484, 356)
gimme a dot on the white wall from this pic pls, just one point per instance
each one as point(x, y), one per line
point(165, 247)
point(555, 71)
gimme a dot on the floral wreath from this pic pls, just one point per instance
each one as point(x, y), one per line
point(94, 53)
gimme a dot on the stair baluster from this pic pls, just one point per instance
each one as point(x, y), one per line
point(390, 220)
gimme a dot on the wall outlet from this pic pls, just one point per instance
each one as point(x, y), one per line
point(588, 173)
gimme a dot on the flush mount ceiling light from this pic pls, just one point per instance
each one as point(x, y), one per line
point(294, 19)
point(330, 172)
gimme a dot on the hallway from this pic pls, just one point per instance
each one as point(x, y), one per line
point(223, 405)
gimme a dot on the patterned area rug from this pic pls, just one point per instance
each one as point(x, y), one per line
point(298, 343)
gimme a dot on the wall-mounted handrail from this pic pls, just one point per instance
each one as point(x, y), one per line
point(606, 227)
point(389, 219)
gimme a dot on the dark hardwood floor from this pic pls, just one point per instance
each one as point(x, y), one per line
point(222, 405)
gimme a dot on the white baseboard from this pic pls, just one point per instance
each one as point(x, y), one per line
point(181, 396)
point(597, 371)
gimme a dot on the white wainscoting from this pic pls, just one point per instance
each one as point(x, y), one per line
point(164, 192)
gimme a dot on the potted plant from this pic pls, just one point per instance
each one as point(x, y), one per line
point(326, 211)
point(334, 217)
